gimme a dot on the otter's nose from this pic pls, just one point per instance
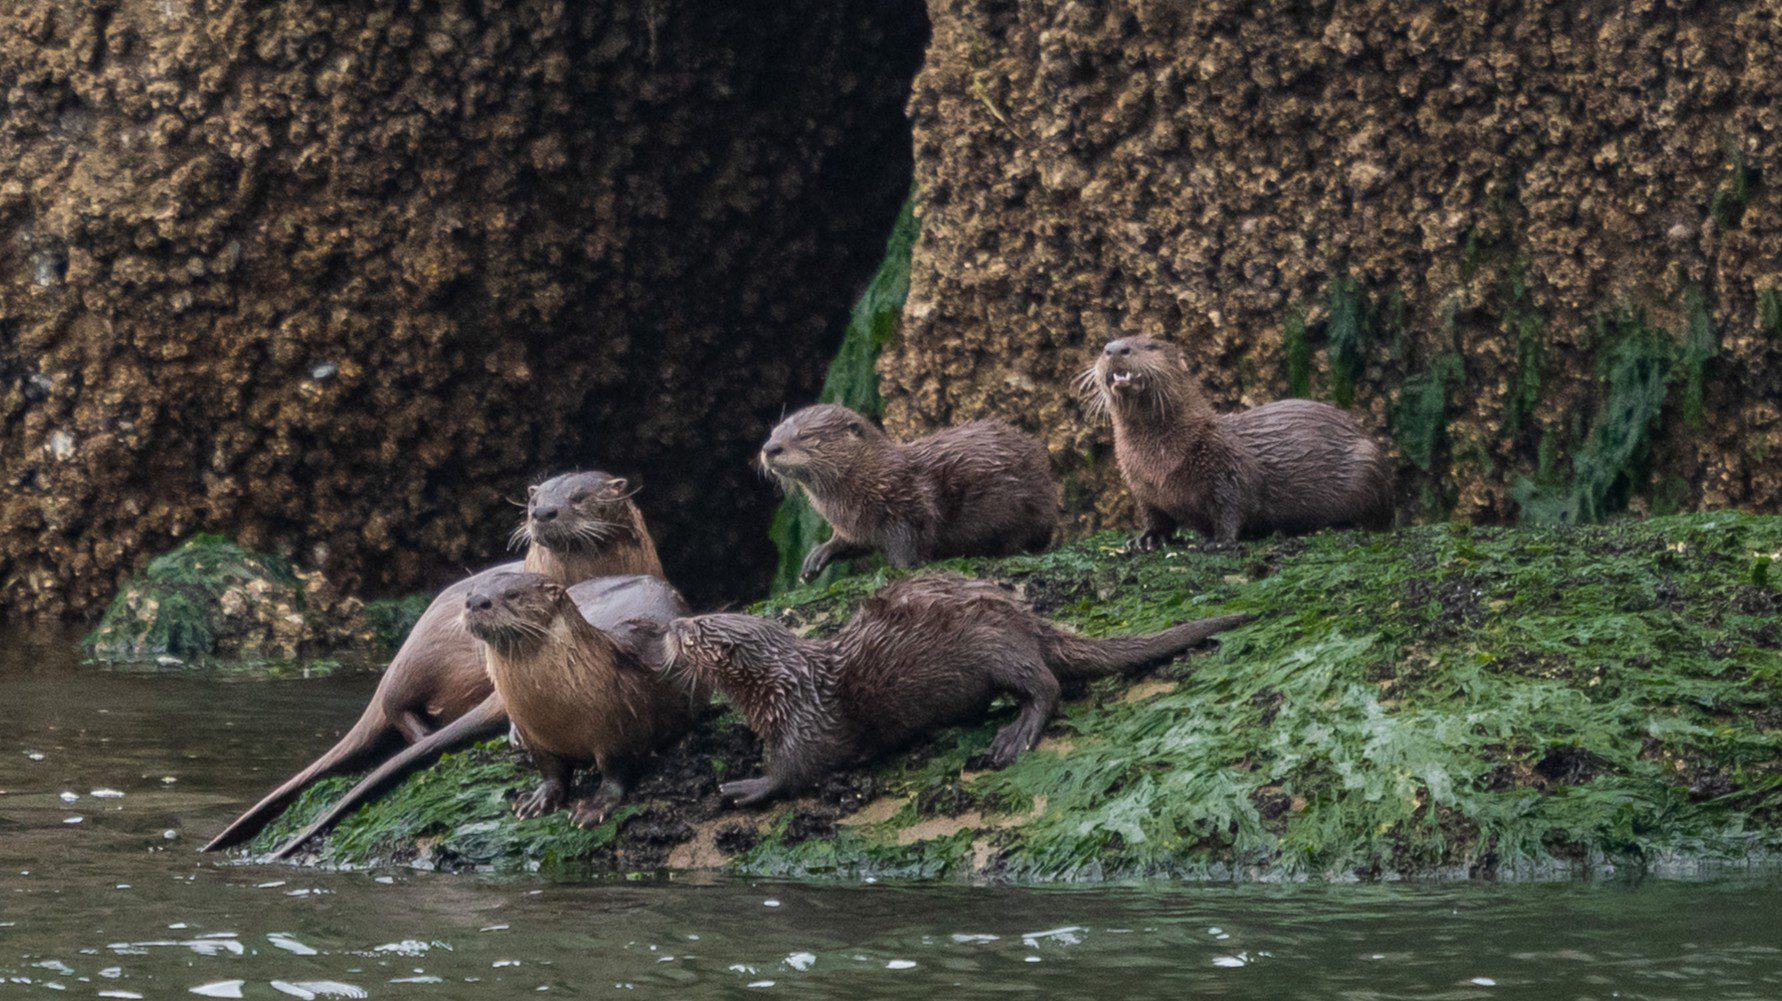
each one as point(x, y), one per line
point(1119, 349)
point(773, 451)
point(544, 514)
point(479, 602)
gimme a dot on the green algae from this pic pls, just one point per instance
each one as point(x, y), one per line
point(853, 382)
point(1701, 344)
point(1353, 328)
point(390, 619)
point(1299, 355)
point(1733, 195)
point(1529, 329)
point(1420, 419)
point(1611, 465)
point(212, 603)
point(458, 811)
point(171, 609)
point(1435, 700)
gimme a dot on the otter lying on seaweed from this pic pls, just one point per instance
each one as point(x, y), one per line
point(924, 652)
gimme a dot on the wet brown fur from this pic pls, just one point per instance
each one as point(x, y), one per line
point(438, 676)
point(1292, 466)
point(924, 652)
point(979, 489)
point(614, 604)
point(565, 666)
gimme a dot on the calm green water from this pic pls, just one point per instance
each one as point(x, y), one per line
point(105, 896)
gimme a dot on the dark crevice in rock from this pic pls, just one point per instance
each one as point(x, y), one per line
point(337, 280)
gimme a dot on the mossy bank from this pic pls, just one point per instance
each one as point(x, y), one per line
point(1439, 700)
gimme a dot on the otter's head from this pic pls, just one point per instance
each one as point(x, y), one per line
point(755, 662)
point(815, 445)
point(513, 612)
point(576, 512)
point(1135, 376)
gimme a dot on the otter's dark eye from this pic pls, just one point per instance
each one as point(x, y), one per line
point(578, 497)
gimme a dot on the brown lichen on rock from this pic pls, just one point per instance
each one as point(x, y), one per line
point(1494, 179)
point(335, 279)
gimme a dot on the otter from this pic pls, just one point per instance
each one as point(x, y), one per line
point(567, 669)
point(1292, 466)
point(979, 489)
point(577, 526)
point(613, 606)
point(925, 652)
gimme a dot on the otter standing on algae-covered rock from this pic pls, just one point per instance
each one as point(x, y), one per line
point(567, 669)
point(578, 525)
point(1291, 466)
point(979, 489)
point(924, 652)
point(612, 606)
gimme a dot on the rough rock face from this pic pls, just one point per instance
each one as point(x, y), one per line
point(335, 279)
point(1538, 244)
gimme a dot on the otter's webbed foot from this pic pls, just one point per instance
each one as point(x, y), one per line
point(1149, 542)
point(547, 799)
point(748, 792)
point(592, 810)
point(1010, 741)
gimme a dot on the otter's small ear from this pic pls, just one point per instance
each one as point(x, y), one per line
point(532, 491)
point(614, 487)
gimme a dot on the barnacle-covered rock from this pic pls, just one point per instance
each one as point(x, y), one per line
point(1454, 214)
point(337, 279)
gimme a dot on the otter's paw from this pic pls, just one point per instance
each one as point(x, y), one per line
point(546, 799)
point(746, 792)
point(1148, 542)
point(1007, 746)
point(592, 811)
point(814, 562)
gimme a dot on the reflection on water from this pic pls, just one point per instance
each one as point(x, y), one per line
point(109, 782)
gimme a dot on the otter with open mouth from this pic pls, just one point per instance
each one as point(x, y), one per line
point(979, 489)
point(1291, 466)
point(923, 653)
point(436, 693)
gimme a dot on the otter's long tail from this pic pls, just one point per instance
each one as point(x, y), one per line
point(1072, 656)
point(364, 742)
point(487, 719)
